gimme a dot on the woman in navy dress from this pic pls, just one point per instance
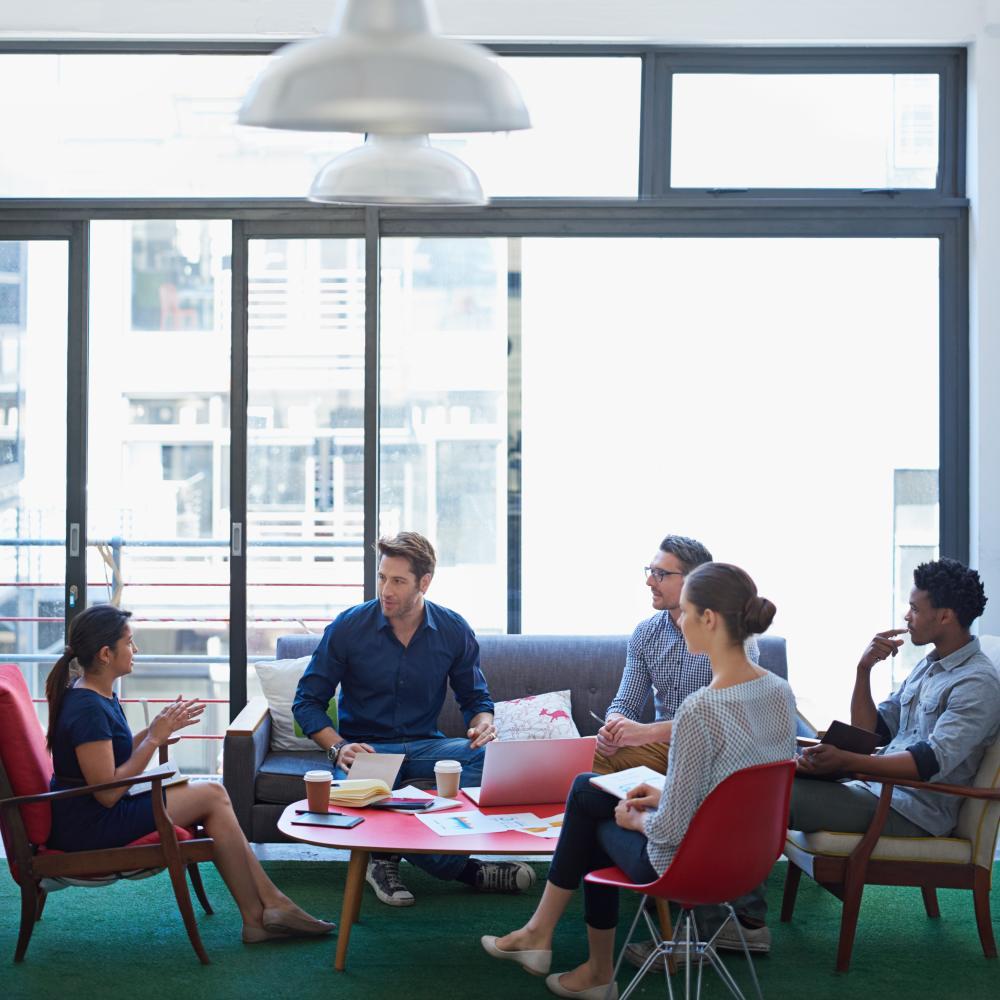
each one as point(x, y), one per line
point(91, 743)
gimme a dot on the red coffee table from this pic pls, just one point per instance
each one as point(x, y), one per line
point(402, 833)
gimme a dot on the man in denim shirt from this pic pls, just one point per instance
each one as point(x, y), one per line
point(937, 725)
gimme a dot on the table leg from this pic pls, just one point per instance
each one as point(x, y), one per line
point(353, 888)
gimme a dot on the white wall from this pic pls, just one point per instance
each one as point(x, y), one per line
point(934, 22)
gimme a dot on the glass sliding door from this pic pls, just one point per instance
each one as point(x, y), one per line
point(305, 437)
point(33, 290)
point(158, 462)
point(775, 398)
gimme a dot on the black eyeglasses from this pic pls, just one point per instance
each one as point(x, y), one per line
point(659, 575)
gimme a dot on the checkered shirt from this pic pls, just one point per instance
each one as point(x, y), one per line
point(658, 661)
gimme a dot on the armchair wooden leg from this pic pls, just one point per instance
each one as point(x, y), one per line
point(199, 890)
point(849, 922)
point(183, 898)
point(29, 914)
point(42, 896)
point(791, 891)
point(930, 900)
point(981, 901)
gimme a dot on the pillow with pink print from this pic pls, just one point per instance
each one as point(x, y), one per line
point(536, 717)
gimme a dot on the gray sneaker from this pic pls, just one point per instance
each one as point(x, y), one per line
point(637, 953)
point(504, 876)
point(383, 877)
point(758, 939)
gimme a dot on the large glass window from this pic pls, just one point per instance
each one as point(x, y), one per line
point(305, 437)
point(845, 130)
point(443, 385)
point(158, 462)
point(33, 285)
point(773, 397)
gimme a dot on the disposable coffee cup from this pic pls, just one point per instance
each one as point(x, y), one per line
point(448, 773)
point(318, 790)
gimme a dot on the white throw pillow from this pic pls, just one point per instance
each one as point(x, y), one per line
point(278, 681)
point(536, 717)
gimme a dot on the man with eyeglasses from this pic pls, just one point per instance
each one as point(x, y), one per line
point(658, 663)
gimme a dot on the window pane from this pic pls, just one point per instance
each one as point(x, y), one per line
point(745, 419)
point(75, 131)
point(305, 426)
point(443, 386)
point(584, 139)
point(158, 465)
point(32, 456)
point(804, 131)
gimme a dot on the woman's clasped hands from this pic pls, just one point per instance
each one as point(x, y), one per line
point(177, 715)
point(639, 800)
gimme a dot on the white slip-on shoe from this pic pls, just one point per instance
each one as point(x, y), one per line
point(591, 993)
point(537, 962)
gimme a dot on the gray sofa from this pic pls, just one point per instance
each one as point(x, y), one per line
point(261, 782)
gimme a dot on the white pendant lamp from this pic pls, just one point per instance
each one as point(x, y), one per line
point(384, 70)
point(397, 170)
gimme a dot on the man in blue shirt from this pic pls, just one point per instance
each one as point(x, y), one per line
point(393, 659)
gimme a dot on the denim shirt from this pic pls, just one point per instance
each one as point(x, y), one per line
point(947, 713)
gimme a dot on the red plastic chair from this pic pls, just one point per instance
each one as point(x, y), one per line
point(26, 820)
point(730, 847)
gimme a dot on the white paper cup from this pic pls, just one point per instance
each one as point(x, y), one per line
point(448, 774)
point(318, 790)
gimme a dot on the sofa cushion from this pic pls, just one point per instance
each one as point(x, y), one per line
point(278, 681)
point(537, 717)
point(280, 776)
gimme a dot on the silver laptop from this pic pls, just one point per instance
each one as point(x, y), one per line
point(525, 772)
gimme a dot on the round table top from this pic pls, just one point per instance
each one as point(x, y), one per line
point(403, 833)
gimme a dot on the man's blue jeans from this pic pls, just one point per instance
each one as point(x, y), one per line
point(421, 756)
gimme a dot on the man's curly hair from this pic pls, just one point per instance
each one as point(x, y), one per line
point(950, 584)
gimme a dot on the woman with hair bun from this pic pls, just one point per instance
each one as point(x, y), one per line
point(744, 717)
point(91, 743)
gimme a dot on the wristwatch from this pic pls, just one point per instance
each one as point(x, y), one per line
point(334, 752)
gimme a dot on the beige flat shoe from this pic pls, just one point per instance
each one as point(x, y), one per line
point(537, 962)
point(291, 924)
point(591, 993)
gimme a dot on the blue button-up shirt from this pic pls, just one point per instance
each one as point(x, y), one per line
point(658, 661)
point(388, 691)
point(946, 713)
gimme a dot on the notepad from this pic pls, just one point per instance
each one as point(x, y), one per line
point(358, 792)
point(621, 783)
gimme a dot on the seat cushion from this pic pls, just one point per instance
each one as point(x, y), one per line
point(279, 779)
point(948, 850)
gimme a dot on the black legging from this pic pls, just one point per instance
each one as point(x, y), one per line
point(591, 839)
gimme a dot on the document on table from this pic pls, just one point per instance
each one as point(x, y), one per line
point(412, 792)
point(462, 824)
point(548, 828)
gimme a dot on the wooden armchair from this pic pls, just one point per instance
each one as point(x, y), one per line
point(844, 863)
point(26, 820)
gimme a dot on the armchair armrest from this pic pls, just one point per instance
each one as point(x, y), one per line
point(246, 743)
point(156, 777)
point(930, 786)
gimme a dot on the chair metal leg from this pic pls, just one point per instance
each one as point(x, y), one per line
point(930, 900)
point(746, 950)
point(199, 890)
point(792, 877)
point(981, 902)
point(29, 914)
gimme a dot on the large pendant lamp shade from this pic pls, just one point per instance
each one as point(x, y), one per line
point(383, 70)
point(397, 170)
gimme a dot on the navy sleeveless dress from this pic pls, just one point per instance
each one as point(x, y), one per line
point(82, 823)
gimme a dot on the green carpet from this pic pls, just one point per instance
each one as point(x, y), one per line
point(128, 941)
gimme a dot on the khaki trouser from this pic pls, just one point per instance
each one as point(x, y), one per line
point(653, 755)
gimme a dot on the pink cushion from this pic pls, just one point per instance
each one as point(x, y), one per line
point(23, 752)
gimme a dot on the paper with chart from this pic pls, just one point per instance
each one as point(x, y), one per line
point(548, 828)
point(466, 823)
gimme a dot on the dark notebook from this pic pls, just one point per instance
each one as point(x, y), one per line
point(844, 737)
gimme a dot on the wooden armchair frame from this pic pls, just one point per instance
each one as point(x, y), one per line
point(846, 877)
point(29, 867)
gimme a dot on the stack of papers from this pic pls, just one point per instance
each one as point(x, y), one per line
point(358, 792)
point(465, 823)
point(412, 792)
point(622, 782)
